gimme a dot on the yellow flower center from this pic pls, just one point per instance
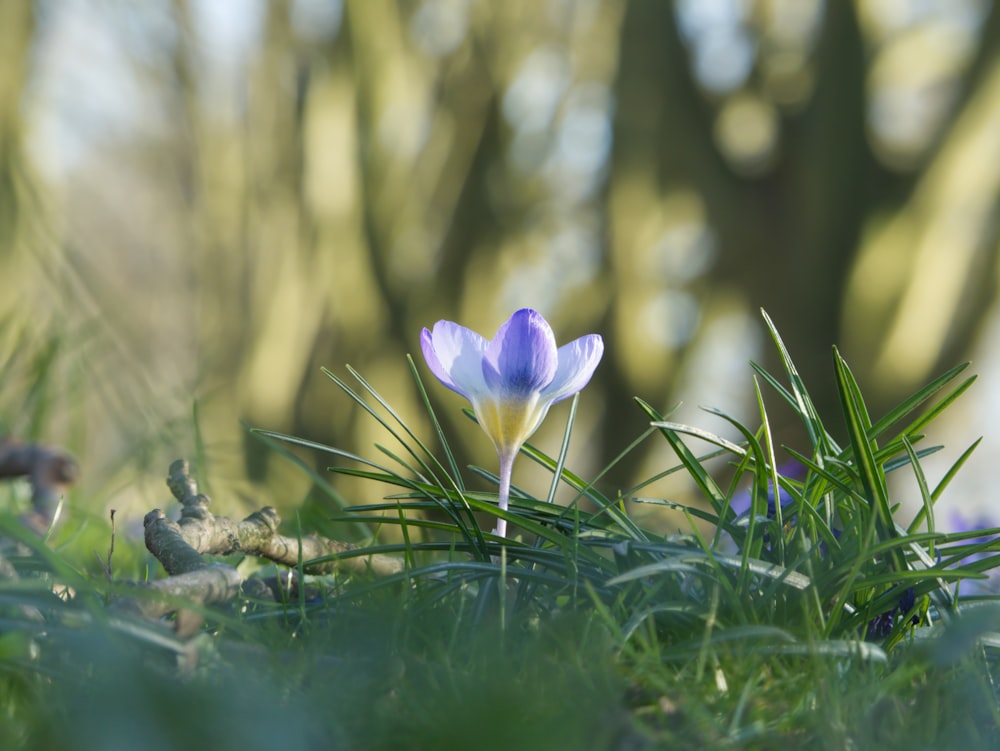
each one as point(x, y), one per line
point(509, 423)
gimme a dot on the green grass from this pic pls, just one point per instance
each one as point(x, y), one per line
point(815, 622)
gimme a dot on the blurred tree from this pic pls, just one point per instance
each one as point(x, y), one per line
point(16, 30)
point(242, 193)
point(785, 227)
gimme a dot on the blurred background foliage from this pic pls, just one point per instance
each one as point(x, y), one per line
point(202, 202)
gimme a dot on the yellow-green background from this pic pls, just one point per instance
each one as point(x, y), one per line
point(203, 203)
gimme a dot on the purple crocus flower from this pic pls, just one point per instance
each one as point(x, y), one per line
point(962, 523)
point(511, 380)
point(881, 625)
point(741, 501)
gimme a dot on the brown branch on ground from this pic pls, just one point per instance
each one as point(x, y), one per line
point(50, 471)
point(180, 546)
point(200, 533)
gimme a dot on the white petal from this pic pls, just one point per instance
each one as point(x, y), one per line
point(455, 355)
point(577, 362)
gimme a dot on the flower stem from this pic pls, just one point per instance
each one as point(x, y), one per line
point(506, 467)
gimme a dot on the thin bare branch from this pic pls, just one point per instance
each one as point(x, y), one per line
point(49, 469)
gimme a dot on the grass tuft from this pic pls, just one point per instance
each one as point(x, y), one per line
point(796, 611)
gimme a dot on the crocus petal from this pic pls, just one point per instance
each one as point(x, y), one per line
point(509, 423)
point(577, 362)
point(455, 356)
point(522, 358)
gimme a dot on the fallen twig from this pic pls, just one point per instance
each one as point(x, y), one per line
point(180, 546)
point(199, 532)
point(49, 469)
